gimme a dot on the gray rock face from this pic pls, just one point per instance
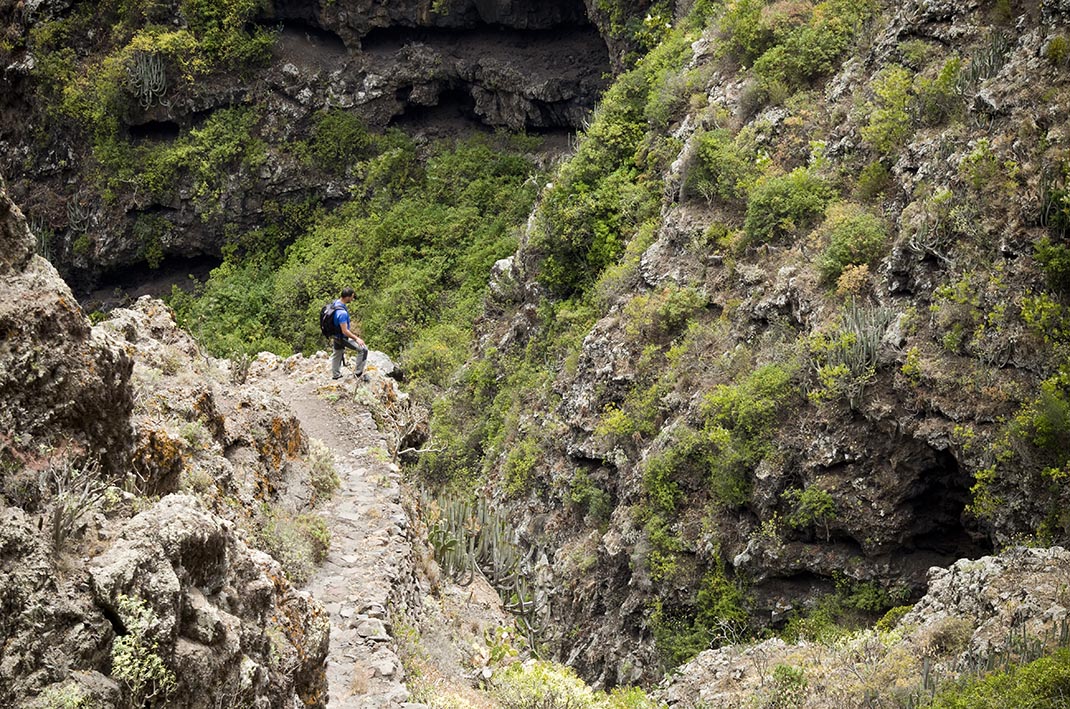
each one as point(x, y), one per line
point(222, 623)
point(58, 380)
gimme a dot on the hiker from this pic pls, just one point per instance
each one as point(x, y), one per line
point(343, 337)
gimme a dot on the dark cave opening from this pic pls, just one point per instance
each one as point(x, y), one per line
point(455, 107)
point(308, 37)
point(121, 286)
point(938, 503)
point(155, 131)
point(292, 11)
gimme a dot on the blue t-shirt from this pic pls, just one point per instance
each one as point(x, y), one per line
point(341, 316)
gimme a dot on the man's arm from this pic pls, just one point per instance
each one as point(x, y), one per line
point(349, 334)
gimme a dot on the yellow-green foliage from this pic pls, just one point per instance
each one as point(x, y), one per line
point(740, 421)
point(297, 543)
point(1040, 684)
point(889, 115)
point(808, 44)
point(98, 92)
point(538, 683)
point(1057, 50)
point(721, 169)
point(660, 314)
point(852, 236)
point(938, 98)
point(585, 492)
point(811, 506)
point(846, 358)
point(719, 605)
point(520, 467)
point(1054, 259)
point(135, 658)
point(322, 475)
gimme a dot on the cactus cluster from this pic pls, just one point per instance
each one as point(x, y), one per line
point(146, 78)
point(471, 537)
point(79, 214)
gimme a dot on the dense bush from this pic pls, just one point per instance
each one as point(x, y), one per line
point(719, 612)
point(600, 198)
point(784, 205)
point(853, 236)
point(890, 117)
point(418, 249)
point(720, 169)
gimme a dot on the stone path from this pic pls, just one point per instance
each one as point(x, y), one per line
point(369, 555)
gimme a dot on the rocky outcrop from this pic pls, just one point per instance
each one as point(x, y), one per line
point(978, 614)
point(224, 617)
point(108, 594)
point(62, 384)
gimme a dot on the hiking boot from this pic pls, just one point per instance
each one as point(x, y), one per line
point(337, 376)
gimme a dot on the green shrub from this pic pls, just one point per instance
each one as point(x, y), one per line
point(789, 687)
point(784, 205)
point(585, 492)
point(719, 612)
point(339, 139)
point(738, 428)
point(657, 316)
point(1055, 260)
point(812, 49)
point(939, 99)
point(599, 199)
point(1057, 51)
point(890, 619)
point(719, 170)
point(744, 36)
point(547, 685)
point(811, 506)
point(846, 359)
point(854, 235)
point(519, 468)
point(150, 232)
point(297, 543)
point(874, 181)
point(322, 475)
point(1040, 684)
point(889, 122)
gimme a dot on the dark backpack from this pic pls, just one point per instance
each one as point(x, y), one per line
point(328, 326)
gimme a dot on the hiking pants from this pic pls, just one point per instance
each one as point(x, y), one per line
point(341, 344)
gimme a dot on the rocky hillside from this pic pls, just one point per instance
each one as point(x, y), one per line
point(787, 330)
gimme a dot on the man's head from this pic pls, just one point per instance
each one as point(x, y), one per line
point(347, 295)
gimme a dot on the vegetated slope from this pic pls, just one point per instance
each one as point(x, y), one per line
point(787, 330)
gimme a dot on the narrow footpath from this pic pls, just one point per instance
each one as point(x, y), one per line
point(369, 552)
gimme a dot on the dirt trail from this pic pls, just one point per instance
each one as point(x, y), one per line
point(369, 551)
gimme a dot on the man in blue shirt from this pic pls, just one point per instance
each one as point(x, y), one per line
point(346, 339)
